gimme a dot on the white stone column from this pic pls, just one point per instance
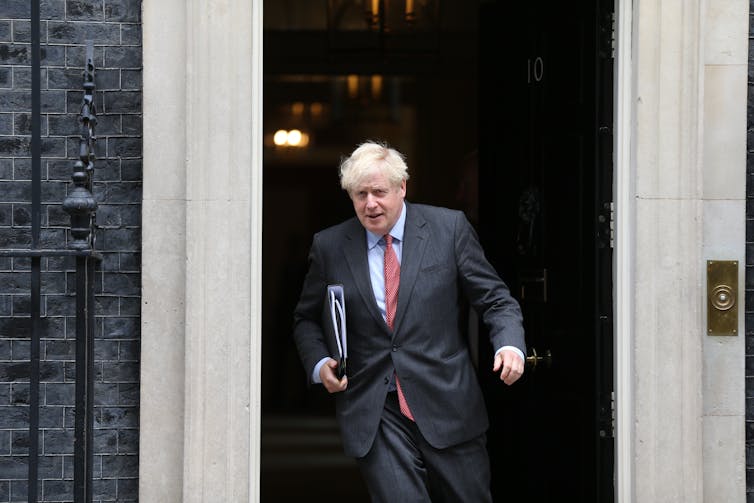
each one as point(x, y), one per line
point(163, 312)
point(668, 294)
point(623, 265)
point(218, 246)
point(202, 260)
point(688, 157)
point(724, 210)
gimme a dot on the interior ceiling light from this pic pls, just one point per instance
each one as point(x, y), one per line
point(290, 138)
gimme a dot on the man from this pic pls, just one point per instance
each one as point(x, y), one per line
point(409, 407)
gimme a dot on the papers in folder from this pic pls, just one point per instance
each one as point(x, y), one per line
point(337, 302)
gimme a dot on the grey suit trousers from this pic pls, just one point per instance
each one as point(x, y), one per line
point(402, 467)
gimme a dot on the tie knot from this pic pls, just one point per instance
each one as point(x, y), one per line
point(388, 239)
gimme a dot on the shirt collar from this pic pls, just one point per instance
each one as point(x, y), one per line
point(396, 231)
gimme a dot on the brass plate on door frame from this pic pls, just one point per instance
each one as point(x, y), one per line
point(722, 297)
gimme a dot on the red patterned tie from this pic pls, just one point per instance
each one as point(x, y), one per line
point(392, 280)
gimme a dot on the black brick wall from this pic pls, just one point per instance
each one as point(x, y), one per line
point(115, 28)
point(749, 300)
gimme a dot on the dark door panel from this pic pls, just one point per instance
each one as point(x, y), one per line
point(544, 184)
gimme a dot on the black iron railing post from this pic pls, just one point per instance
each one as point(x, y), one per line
point(36, 190)
point(83, 444)
point(81, 205)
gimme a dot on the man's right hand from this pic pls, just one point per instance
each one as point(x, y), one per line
point(329, 380)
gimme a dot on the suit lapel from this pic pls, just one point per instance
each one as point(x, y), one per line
point(415, 239)
point(355, 254)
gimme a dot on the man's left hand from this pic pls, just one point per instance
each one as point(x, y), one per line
point(511, 364)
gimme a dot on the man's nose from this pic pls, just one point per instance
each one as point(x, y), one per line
point(371, 201)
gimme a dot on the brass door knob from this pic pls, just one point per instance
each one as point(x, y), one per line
point(536, 359)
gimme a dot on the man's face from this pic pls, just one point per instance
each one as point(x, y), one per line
point(377, 203)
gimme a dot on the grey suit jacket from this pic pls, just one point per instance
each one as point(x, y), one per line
point(442, 262)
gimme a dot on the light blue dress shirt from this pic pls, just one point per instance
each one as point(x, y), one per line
point(376, 258)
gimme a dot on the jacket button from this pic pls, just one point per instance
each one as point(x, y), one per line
point(395, 348)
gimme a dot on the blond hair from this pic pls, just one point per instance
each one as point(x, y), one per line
point(368, 157)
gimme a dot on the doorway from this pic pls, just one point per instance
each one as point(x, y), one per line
point(501, 110)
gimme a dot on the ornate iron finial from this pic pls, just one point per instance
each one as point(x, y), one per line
point(80, 202)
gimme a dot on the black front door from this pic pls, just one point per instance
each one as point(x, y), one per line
point(545, 178)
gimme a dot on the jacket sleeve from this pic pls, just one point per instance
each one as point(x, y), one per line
point(486, 291)
point(307, 317)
